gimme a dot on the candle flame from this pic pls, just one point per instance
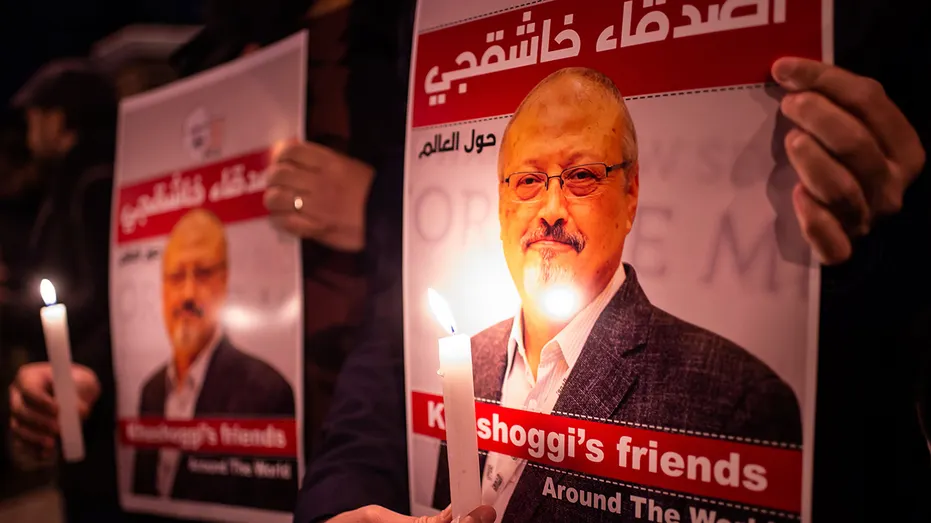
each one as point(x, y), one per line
point(47, 290)
point(441, 311)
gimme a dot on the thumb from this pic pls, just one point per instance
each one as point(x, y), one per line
point(280, 146)
point(483, 514)
point(443, 517)
point(86, 382)
point(797, 74)
point(88, 388)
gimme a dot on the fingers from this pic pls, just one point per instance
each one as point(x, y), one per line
point(280, 199)
point(36, 394)
point(841, 133)
point(280, 203)
point(298, 224)
point(828, 182)
point(304, 155)
point(88, 386)
point(820, 228)
point(84, 408)
point(286, 183)
point(37, 440)
point(33, 427)
point(482, 514)
point(275, 199)
point(31, 403)
point(376, 514)
point(332, 188)
point(863, 97)
point(446, 516)
point(293, 176)
point(25, 453)
point(856, 153)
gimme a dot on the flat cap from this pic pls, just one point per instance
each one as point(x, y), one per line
point(85, 94)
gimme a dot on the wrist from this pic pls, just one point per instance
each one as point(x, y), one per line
point(350, 235)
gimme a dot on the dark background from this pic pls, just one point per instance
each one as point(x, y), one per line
point(31, 34)
point(34, 31)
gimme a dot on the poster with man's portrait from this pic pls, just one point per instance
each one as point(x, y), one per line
point(600, 193)
point(206, 299)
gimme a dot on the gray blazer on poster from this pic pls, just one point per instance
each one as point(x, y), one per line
point(640, 365)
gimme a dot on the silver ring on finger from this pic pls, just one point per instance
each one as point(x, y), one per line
point(298, 203)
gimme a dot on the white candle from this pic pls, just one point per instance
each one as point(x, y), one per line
point(465, 486)
point(58, 346)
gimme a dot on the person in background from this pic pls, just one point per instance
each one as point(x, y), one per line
point(19, 196)
point(18, 204)
point(70, 111)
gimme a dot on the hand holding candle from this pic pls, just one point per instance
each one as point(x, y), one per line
point(58, 346)
point(459, 411)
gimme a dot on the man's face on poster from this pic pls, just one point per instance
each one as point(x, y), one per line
point(194, 281)
point(566, 233)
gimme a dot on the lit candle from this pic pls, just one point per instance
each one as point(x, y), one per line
point(55, 326)
point(465, 488)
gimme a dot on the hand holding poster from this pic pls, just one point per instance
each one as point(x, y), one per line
point(205, 294)
point(642, 309)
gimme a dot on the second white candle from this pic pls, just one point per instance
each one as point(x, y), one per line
point(459, 410)
point(58, 346)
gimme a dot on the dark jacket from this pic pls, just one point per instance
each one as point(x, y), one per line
point(236, 385)
point(68, 243)
point(641, 366)
point(866, 397)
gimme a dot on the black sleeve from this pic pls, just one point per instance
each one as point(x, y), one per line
point(363, 452)
point(88, 322)
point(88, 304)
point(866, 372)
point(89, 298)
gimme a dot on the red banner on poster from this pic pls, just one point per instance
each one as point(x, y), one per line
point(756, 474)
point(485, 67)
point(233, 189)
point(247, 437)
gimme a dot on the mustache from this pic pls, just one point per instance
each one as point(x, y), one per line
point(190, 306)
point(557, 233)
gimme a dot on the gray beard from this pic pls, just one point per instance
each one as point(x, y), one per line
point(184, 336)
point(546, 274)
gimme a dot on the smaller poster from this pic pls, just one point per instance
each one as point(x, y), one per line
point(205, 295)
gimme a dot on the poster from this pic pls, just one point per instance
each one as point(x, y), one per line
point(206, 296)
point(600, 192)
